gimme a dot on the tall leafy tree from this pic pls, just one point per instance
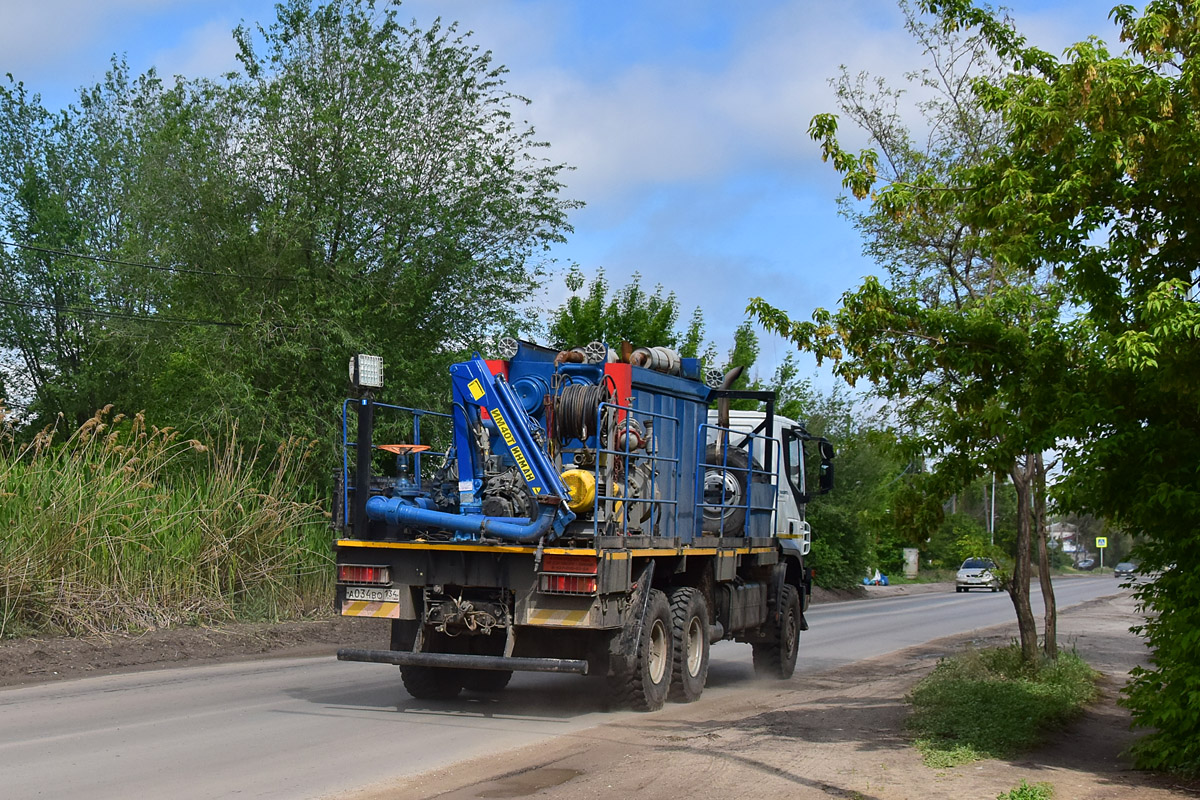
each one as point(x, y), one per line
point(358, 185)
point(1097, 179)
point(630, 314)
point(64, 188)
point(963, 345)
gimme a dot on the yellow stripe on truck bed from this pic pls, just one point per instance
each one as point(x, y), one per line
point(553, 617)
point(366, 608)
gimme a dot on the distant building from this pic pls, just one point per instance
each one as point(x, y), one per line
point(1067, 536)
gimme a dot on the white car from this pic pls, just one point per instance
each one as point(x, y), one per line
point(976, 573)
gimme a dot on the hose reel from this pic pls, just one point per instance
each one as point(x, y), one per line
point(575, 410)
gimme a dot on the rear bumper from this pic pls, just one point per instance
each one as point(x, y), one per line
point(456, 661)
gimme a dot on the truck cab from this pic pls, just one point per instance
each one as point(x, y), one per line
point(799, 450)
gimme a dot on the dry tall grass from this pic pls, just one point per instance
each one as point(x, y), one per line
point(126, 527)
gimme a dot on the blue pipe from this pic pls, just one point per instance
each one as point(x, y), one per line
point(396, 511)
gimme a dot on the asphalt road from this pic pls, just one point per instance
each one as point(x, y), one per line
point(292, 728)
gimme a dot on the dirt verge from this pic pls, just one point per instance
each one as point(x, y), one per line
point(41, 659)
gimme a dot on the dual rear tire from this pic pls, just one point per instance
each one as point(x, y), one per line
point(689, 638)
point(671, 658)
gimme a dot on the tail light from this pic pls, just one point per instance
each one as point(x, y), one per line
point(358, 573)
point(577, 565)
point(566, 574)
point(568, 584)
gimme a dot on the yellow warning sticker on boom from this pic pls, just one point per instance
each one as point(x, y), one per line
point(476, 389)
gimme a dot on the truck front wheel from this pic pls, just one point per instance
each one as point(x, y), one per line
point(432, 683)
point(689, 639)
point(777, 658)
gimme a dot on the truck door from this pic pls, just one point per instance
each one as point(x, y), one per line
point(791, 494)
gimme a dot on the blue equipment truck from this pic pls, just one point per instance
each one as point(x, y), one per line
point(575, 511)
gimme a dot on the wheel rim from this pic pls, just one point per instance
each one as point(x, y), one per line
point(721, 488)
point(694, 642)
point(659, 647)
point(791, 633)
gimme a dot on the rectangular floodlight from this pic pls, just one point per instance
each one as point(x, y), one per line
point(366, 372)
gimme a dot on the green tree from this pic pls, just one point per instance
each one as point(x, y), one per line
point(629, 314)
point(965, 347)
point(357, 186)
point(1095, 180)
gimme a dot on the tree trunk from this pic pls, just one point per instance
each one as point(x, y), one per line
point(1050, 633)
point(1018, 586)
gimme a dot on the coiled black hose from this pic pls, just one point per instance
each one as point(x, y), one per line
point(575, 410)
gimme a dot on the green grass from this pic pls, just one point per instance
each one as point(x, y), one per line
point(120, 526)
point(1038, 791)
point(988, 704)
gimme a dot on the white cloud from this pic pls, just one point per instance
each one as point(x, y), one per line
point(651, 122)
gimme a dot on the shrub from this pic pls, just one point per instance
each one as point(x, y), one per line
point(1038, 791)
point(990, 704)
point(1163, 697)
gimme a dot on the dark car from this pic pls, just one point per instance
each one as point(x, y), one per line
point(1087, 563)
point(1126, 569)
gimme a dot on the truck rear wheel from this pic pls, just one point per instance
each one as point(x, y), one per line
point(689, 640)
point(642, 684)
point(432, 683)
point(485, 680)
point(652, 668)
point(777, 659)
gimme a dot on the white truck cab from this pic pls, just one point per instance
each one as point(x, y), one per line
point(788, 440)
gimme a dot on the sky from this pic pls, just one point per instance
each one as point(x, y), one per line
point(684, 120)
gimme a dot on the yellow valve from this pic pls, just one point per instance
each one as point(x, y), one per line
point(582, 486)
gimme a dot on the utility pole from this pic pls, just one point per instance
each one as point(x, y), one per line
point(992, 515)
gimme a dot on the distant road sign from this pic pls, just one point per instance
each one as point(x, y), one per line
point(1101, 542)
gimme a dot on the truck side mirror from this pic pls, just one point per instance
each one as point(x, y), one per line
point(826, 480)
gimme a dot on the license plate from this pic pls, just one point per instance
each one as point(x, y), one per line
point(372, 595)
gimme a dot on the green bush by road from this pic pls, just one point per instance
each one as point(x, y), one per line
point(987, 704)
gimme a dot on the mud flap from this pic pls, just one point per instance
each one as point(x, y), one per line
point(622, 651)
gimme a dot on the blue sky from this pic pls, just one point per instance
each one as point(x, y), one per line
point(684, 119)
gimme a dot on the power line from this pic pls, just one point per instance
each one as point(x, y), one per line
point(92, 311)
point(155, 267)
